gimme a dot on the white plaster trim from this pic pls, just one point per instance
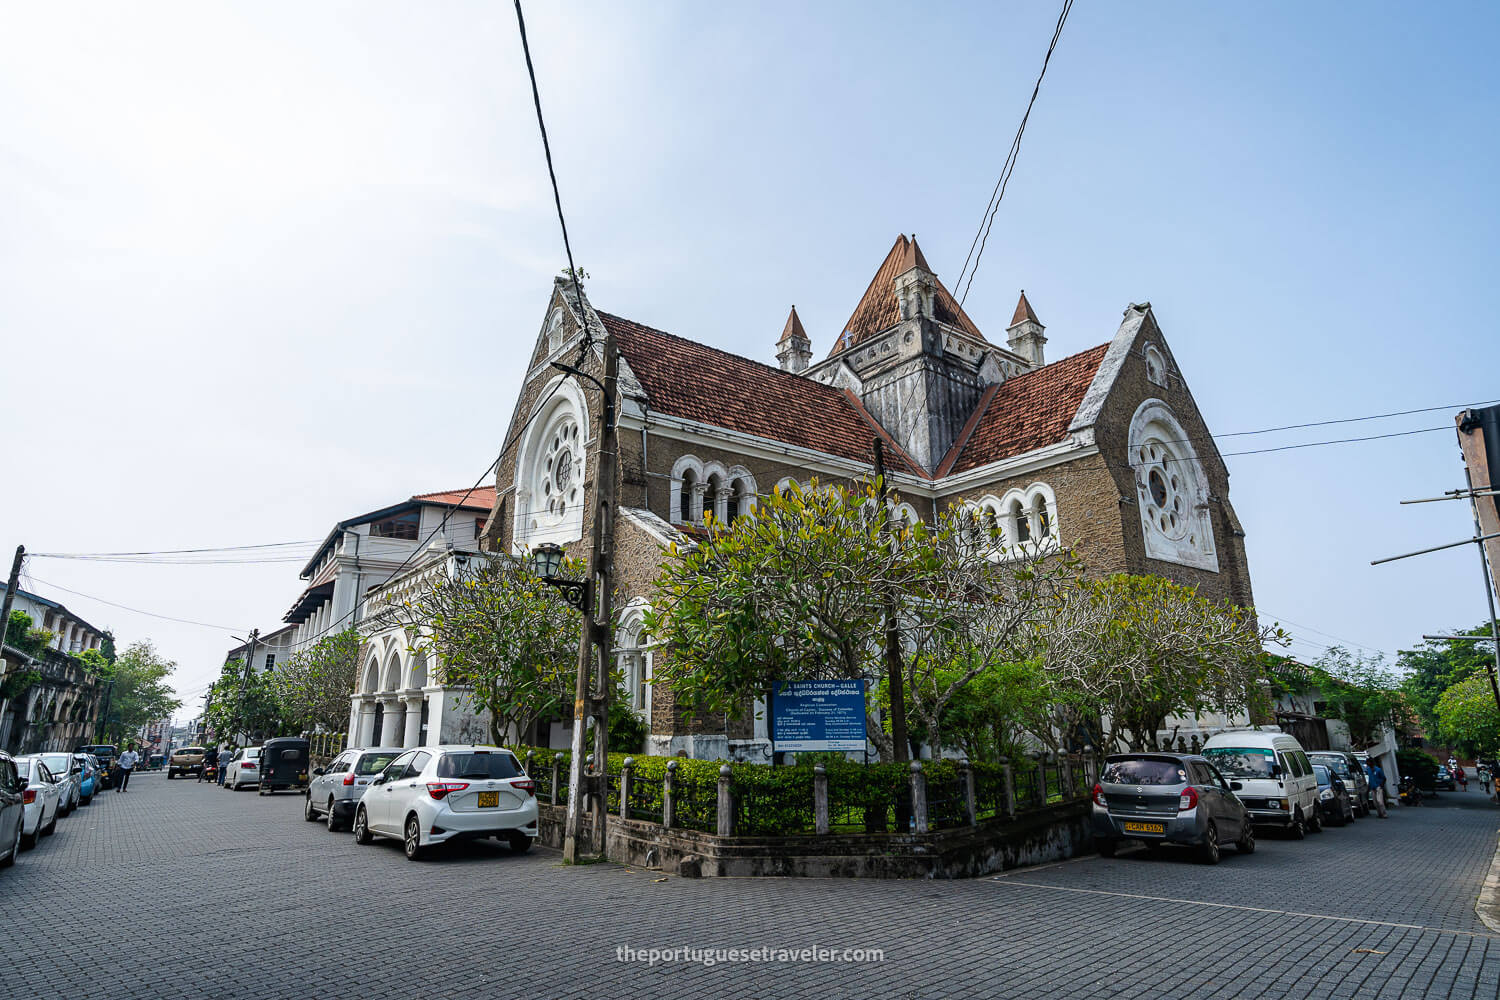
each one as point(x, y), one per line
point(1109, 369)
point(1075, 446)
point(1201, 553)
point(654, 526)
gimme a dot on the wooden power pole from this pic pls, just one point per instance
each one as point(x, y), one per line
point(893, 670)
point(593, 689)
point(10, 599)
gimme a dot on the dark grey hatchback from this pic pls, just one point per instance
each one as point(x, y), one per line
point(1168, 798)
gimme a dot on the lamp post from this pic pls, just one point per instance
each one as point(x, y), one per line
point(546, 560)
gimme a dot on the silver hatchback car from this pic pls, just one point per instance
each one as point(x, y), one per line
point(1160, 798)
point(335, 790)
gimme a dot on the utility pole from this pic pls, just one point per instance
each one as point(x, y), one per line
point(893, 671)
point(591, 701)
point(245, 682)
point(10, 599)
point(1489, 593)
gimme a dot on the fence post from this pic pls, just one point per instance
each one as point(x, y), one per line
point(1041, 782)
point(530, 763)
point(725, 826)
point(1010, 788)
point(669, 796)
point(966, 783)
point(1090, 770)
point(820, 799)
point(918, 797)
point(625, 780)
point(556, 765)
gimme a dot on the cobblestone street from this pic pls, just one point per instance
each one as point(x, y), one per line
point(177, 889)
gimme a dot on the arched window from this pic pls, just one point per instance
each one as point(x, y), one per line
point(555, 331)
point(714, 500)
point(741, 500)
point(1040, 517)
point(687, 497)
point(1156, 365)
point(1019, 518)
point(550, 471)
point(1171, 489)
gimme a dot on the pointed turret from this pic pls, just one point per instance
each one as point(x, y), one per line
point(903, 288)
point(1024, 335)
point(794, 349)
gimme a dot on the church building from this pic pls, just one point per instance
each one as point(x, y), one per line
point(1103, 450)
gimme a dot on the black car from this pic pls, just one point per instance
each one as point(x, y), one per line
point(1335, 803)
point(283, 764)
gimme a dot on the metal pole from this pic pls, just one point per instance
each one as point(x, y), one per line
point(10, 598)
point(591, 702)
point(245, 684)
point(892, 638)
point(1478, 538)
point(1489, 591)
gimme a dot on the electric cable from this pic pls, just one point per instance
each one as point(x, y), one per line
point(987, 221)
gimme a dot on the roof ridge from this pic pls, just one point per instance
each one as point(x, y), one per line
point(801, 380)
point(884, 435)
point(967, 431)
point(1076, 354)
point(865, 296)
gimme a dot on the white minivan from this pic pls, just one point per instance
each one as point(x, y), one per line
point(1280, 788)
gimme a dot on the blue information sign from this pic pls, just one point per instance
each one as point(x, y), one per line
point(818, 715)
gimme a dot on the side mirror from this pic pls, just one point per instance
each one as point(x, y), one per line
point(25, 784)
point(1236, 786)
point(379, 780)
point(317, 770)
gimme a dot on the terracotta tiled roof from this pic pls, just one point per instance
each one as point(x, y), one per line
point(480, 498)
point(793, 328)
point(697, 382)
point(1024, 312)
point(878, 309)
point(1026, 412)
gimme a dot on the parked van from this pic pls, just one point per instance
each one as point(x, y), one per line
point(283, 764)
point(1280, 788)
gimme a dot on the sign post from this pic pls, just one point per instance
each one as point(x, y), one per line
point(811, 716)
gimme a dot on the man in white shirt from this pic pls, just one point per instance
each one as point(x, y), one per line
point(126, 764)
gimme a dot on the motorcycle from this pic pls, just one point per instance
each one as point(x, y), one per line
point(1411, 795)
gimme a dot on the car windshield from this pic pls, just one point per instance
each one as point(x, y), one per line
point(374, 763)
point(1322, 774)
point(1144, 771)
point(478, 765)
point(58, 763)
point(1337, 765)
point(188, 750)
point(1242, 762)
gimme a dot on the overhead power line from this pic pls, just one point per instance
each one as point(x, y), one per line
point(1351, 420)
point(125, 607)
point(986, 221)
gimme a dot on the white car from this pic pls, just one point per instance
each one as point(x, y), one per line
point(69, 772)
point(243, 769)
point(43, 796)
point(433, 795)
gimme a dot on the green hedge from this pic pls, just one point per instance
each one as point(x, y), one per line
point(778, 801)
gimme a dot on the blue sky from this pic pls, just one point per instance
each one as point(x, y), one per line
point(266, 266)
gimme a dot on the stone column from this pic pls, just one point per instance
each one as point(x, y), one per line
point(393, 721)
point(918, 797)
point(413, 702)
point(820, 799)
point(725, 825)
point(366, 735)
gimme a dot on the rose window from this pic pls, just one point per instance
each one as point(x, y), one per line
point(1166, 496)
point(560, 485)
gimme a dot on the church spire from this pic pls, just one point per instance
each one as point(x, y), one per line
point(1024, 335)
point(794, 349)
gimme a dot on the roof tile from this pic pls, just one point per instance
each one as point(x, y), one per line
point(878, 309)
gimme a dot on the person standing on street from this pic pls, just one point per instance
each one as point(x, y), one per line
point(126, 764)
point(1463, 779)
point(1377, 784)
point(1482, 772)
point(224, 756)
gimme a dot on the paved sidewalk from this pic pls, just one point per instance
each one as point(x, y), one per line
point(302, 912)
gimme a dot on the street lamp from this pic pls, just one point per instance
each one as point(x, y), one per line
point(546, 560)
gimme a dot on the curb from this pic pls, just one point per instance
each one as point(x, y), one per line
point(1487, 906)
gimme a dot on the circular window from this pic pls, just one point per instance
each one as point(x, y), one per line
point(559, 486)
point(1164, 490)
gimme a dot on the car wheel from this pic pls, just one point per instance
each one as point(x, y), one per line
point(362, 833)
point(1246, 843)
point(411, 842)
point(87, 800)
point(1298, 829)
point(51, 827)
point(15, 847)
point(1208, 851)
point(28, 840)
point(520, 843)
point(1106, 848)
point(171, 775)
point(309, 813)
point(333, 823)
point(1315, 825)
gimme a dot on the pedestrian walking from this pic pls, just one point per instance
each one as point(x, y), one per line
point(1482, 772)
point(126, 764)
point(224, 755)
point(1462, 778)
point(1377, 784)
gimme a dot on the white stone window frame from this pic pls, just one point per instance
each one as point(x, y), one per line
point(554, 330)
point(741, 493)
point(1156, 366)
point(562, 399)
point(1030, 502)
point(1159, 444)
point(634, 654)
point(685, 466)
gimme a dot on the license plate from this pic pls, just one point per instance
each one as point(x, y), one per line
point(1145, 828)
point(489, 800)
point(302, 777)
